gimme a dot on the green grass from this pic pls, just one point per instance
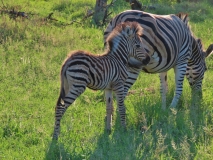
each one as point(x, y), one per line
point(31, 53)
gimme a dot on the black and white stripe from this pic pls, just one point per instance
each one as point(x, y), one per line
point(170, 44)
point(107, 72)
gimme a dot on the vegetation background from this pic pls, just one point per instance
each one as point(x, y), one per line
point(31, 53)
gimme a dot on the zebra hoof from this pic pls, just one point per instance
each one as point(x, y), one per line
point(173, 110)
point(109, 131)
point(55, 138)
point(163, 108)
point(124, 129)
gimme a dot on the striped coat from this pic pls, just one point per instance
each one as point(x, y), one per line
point(169, 42)
point(107, 72)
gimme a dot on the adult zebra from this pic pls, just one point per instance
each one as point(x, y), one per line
point(169, 41)
point(107, 72)
point(196, 67)
point(194, 73)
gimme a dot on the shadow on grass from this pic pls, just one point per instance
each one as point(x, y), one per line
point(151, 134)
point(156, 134)
point(118, 145)
point(56, 150)
point(169, 134)
point(137, 142)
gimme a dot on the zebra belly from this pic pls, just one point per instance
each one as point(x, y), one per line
point(150, 69)
point(99, 81)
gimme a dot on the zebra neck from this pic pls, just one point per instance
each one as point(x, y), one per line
point(120, 53)
point(196, 56)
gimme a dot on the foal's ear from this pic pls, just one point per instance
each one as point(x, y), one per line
point(127, 29)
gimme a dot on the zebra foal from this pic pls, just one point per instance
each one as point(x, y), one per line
point(170, 43)
point(107, 72)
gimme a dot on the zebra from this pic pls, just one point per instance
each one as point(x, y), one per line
point(106, 72)
point(196, 67)
point(170, 43)
point(194, 73)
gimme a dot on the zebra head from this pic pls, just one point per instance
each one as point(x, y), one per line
point(133, 32)
point(126, 37)
point(197, 64)
point(196, 69)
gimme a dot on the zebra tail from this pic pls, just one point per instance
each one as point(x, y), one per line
point(62, 90)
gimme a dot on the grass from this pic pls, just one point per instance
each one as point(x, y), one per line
point(31, 53)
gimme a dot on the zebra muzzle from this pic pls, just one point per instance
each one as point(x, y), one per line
point(133, 62)
point(146, 60)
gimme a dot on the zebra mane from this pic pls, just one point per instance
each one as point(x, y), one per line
point(124, 29)
point(200, 45)
point(184, 17)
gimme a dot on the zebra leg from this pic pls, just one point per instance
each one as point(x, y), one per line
point(75, 91)
point(109, 109)
point(119, 92)
point(196, 91)
point(163, 88)
point(195, 81)
point(59, 111)
point(180, 71)
point(196, 97)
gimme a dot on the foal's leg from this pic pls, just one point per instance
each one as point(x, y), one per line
point(109, 109)
point(75, 90)
point(119, 92)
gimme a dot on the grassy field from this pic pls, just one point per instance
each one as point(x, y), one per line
point(31, 53)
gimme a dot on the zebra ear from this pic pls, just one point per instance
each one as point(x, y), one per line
point(128, 30)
